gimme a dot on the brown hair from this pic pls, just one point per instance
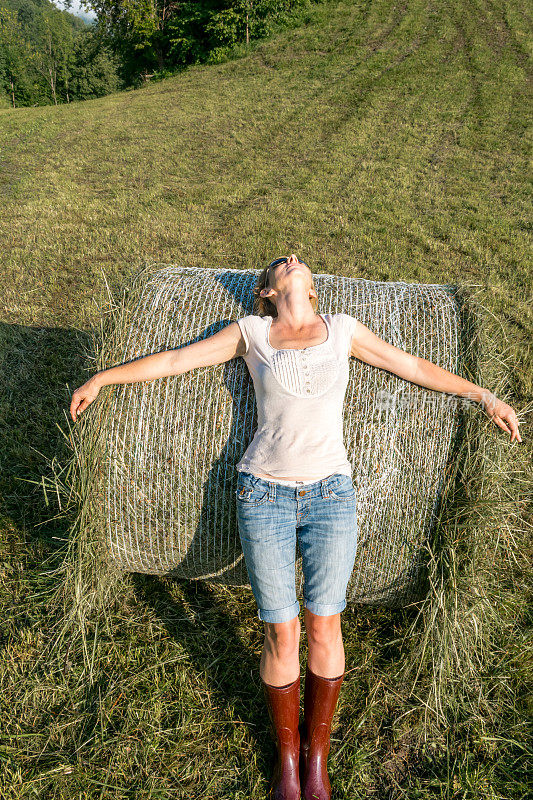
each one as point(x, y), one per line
point(263, 306)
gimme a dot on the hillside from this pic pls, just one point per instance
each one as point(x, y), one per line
point(381, 140)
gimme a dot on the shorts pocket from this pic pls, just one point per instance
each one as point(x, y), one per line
point(342, 488)
point(251, 490)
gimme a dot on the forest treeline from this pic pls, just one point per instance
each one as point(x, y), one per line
point(48, 55)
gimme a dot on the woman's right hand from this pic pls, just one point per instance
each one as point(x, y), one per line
point(83, 397)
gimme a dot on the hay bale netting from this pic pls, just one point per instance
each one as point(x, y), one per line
point(162, 482)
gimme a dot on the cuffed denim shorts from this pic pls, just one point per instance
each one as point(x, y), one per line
point(323, 517)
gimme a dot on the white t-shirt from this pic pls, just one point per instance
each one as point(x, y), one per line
point(300, 397)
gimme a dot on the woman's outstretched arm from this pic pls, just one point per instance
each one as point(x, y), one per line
point(370, 348)
point(222, 346)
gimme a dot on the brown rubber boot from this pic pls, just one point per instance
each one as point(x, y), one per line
point(320, 700)
point(283, 703)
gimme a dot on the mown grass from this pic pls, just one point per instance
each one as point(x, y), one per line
point(381, 140)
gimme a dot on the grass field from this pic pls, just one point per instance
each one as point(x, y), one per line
point(384, 140)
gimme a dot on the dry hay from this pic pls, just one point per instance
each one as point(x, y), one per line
point(473, 540)
point(159, 479)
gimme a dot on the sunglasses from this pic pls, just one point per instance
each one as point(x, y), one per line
point(281, 261)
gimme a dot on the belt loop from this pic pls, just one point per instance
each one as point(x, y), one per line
point(324, 487)
point(272, 491)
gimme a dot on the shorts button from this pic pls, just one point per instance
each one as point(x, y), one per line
point(302, 493)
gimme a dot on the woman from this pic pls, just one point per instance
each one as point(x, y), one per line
point(294, 483)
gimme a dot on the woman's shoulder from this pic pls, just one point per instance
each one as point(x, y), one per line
point(344, 320)
point(342, 316)
point(250, 326)
point(341, 320)
point(253, 320)
point(345, 326)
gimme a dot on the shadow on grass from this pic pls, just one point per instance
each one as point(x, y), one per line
point(40, 369)
point(215, 634)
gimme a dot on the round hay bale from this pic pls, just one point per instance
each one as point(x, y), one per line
point(161, 478)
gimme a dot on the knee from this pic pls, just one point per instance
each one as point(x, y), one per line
point(283, 638)
point(323, 631)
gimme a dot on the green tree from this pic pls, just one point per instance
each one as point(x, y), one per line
point(243, 20)
point(95, 69)
point(55, 47)
point(137, 28)
point(157, 35)
point(45, 58)
point(16, 60)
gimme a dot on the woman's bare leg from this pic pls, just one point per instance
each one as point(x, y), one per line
point(280, 658)
point(326, 648)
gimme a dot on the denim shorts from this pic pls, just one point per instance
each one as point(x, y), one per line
point(323, 517)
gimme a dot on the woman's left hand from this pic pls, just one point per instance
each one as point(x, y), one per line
point(501, 414)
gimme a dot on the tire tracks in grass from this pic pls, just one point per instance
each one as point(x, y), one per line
point(315, 158)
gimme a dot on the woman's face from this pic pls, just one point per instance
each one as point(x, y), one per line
point(285, 272)
point(286, 266)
